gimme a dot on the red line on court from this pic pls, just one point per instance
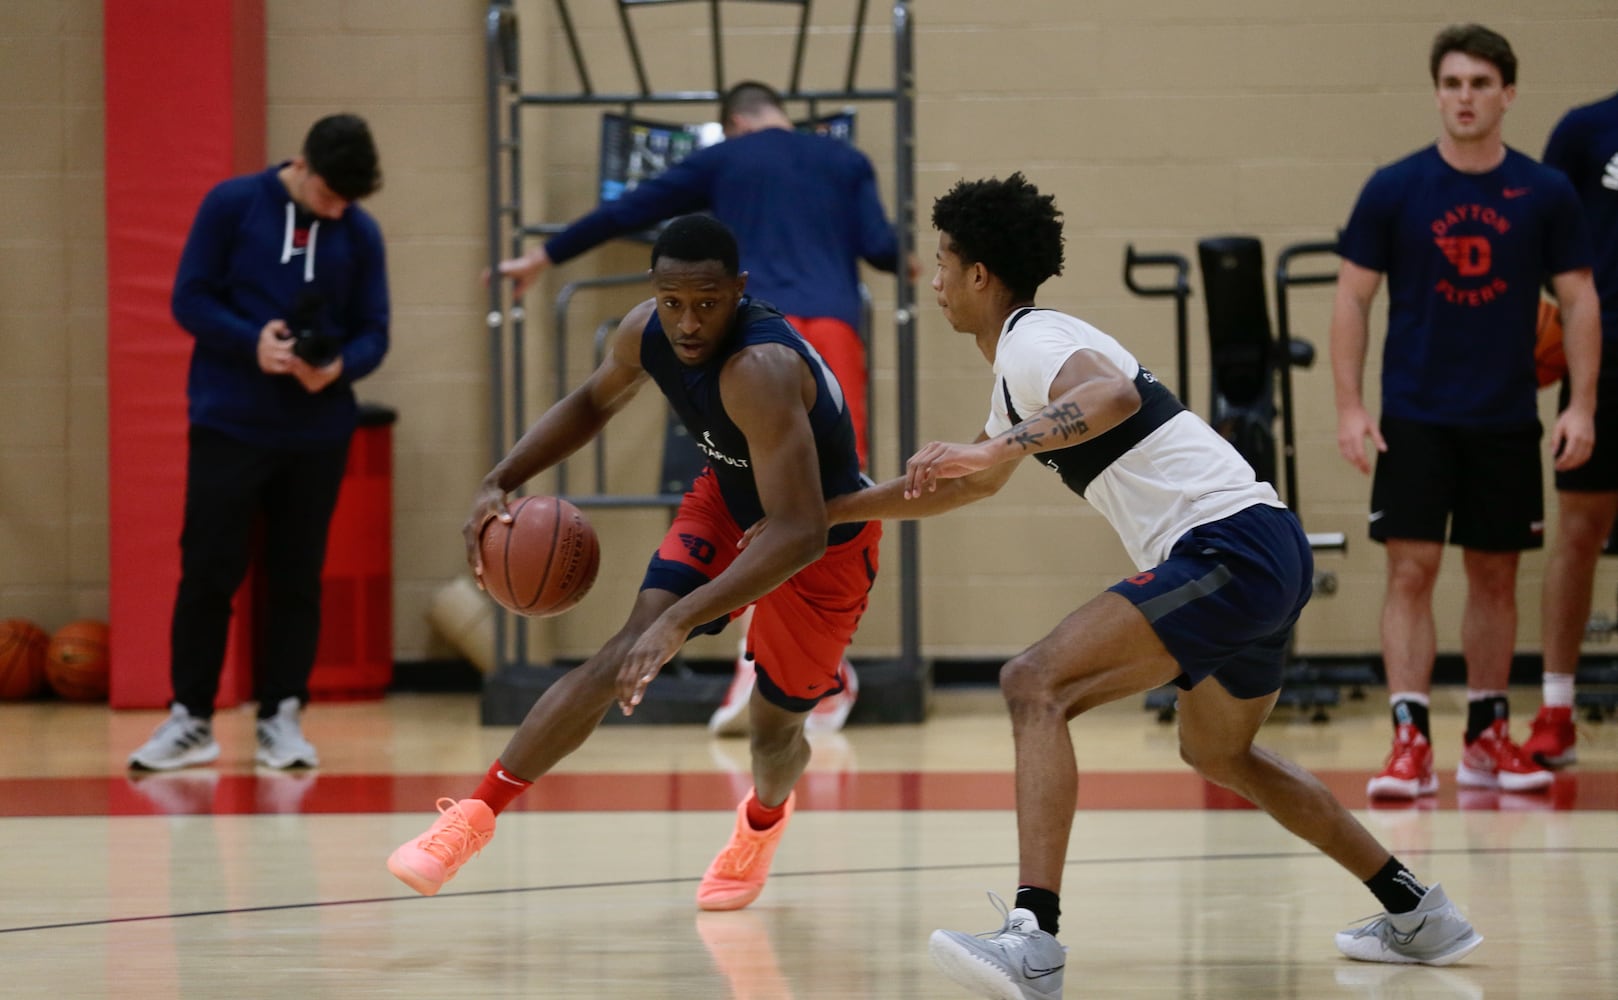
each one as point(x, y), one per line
point(205, 792)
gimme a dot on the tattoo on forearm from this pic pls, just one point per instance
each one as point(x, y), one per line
point(1024, 438)
point(1068, 420)
point(1065, 422)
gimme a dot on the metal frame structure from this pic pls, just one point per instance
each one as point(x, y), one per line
point(510, 227)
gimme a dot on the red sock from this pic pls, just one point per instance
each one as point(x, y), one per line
point(762, 817)
point(499, 787)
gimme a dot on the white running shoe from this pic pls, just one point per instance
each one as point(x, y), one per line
point(1434, 933)
point(829, 715)
point(179, 741)
point(280, 739)
point(730, 718)
point(1017, 962)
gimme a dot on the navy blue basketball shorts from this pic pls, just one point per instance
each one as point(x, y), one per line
point(1225, 601)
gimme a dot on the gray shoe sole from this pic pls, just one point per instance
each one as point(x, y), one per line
point(1462, 948)
point(962, 965)
point(264, 759)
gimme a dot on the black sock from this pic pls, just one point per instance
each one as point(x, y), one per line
point(1396, 888)
point(1044, 904)
point(1482, 713)
point(1413, 713)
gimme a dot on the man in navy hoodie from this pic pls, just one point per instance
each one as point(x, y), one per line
point(805, 211)
point(283, 286)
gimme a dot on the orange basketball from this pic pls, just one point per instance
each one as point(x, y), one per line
point(544, 561)
point(22, 659)
point(1550, 363)
point(76, 661)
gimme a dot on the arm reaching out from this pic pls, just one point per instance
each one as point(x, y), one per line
point(561, 430)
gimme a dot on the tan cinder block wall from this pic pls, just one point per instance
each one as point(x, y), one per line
point(1153, 124)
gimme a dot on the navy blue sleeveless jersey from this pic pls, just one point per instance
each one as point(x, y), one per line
point(1584, 145)
point(693, 392)
point(1465, 255)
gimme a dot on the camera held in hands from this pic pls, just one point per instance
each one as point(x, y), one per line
point(316, 348)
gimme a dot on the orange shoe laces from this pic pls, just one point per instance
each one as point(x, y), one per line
point(456, 841)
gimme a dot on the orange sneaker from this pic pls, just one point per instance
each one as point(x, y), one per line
point(1551, 741)
point(1408, 774)
point(737, 875)
point(461, 830)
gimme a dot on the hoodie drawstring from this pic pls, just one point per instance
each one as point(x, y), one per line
point(309, 249)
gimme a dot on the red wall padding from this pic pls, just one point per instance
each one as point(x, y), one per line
point(184, 110)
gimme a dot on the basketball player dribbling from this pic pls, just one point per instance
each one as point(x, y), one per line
point(773, 423)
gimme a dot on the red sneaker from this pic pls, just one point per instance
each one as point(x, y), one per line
point(1408, 773)
point(1551, 742)
point(1493, 761)
point(737, 875)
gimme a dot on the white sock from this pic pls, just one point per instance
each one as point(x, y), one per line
point(1558, 690)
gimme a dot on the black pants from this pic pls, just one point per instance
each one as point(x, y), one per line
point(228, 485)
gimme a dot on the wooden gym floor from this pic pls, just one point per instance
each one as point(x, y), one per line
point(224, 882)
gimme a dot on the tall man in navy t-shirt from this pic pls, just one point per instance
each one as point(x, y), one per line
point(1584, 145)
point(1466, 231)
point(805, 211)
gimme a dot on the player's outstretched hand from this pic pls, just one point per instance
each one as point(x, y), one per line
point(943, 460)
point(655, 647)
point(523, 271)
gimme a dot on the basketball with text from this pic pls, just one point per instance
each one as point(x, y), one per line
point(543, 561)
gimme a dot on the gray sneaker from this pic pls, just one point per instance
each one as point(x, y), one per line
point(280, 739)
point(179, 741)
point(1434, 933)
point(1017, 962)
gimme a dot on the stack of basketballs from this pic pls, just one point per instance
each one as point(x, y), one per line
point(72, 662)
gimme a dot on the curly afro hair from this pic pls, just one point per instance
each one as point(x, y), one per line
point(1007, 226)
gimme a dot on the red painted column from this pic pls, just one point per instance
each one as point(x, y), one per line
point(185, 99)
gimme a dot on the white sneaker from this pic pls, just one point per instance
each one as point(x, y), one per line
point(1017, 962)
point(730, 718)
point(1434, 933)
point(280, 739)
point(829, 715)
point(179, 741)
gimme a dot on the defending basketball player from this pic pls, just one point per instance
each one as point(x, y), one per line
point(772, 420)
point(1224, 570)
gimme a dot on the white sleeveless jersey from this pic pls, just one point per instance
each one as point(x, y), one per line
point(1153, 477)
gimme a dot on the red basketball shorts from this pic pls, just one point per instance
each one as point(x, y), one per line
point(839, 345)
point(801, 628)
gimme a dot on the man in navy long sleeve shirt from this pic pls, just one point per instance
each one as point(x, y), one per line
point(805, 211)
point(283, 286)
